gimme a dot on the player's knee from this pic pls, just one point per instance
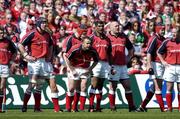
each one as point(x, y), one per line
point(83, 88)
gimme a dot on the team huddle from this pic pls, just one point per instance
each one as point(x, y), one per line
point(97, 57)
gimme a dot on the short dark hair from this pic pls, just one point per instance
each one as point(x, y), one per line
point(2, 28)
point(96, 23)
point(86, 37)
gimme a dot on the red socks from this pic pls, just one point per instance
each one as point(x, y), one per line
point(37, 97)
point(69, 99)
point(160, 100)
point(169, 101)
point(111, 98)
point(54, 97)
point(76, 100)
point(82, 100)
point(147, 99)
point(26, 99)
point(129, 98)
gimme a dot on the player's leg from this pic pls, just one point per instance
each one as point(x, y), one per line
point(169, 86)
point(99, 93)
point(128, 93)
point(83, 94)
point(2, 87)
point(54, 94)
point(149, 95)
point(158, 92)
point(27, 94)
point(70, 95)
point(178, 88)
point(112, 91)
point(37, 97)
point(94, 81)
point(77, 84)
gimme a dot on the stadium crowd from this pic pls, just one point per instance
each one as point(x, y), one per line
point(128, 31)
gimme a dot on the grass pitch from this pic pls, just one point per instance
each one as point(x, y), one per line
point(106, 114)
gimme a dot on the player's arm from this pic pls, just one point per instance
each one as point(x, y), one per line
point(130, 49)
point(26, 40)
point(109, 52)
point(150, 51)
point(67, 56)
point(160, 53)
point(95, 60)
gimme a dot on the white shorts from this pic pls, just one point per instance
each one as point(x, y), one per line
point(101, 70)
point(4, 71)
point(158, 69)
point(80, 75)
point(41, 68)
point(121, 73)
point(172, 73)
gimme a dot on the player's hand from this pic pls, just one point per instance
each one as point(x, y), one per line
point(74, 73)
point(30, 58)
point(113, 71)
point(151, 71)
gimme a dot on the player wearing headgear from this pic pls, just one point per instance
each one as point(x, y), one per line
point(39, 55)
point(155, 66)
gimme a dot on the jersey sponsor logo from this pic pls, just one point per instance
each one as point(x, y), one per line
point(174, 51)
point(114, 45)
point(99, 45)
point(3, 50)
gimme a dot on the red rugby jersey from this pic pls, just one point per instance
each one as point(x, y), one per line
point(171, 49)
point(38, 44)
point(119, 43)
point(69, 42)
point(7, 48)
point(154, 43)
point(81, 58)
point(102, 46)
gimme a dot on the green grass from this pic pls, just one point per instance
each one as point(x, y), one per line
point(106, 114)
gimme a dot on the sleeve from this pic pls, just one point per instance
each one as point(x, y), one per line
point(67, 44)
point(163, 49)
point(151, 46)
point(51, 41)
point(95, 55)
point(128, 44)
point(109, 50)
point(26, 40)
point(70, 54)
point(12, 47)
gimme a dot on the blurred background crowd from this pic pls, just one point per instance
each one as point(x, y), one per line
point(137, 19)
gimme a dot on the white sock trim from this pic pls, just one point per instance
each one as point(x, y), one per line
point(158, 92)
point(98, 91)
point(77, 91)
point(111, 92)
point(70, 94)
point(127, 92)
point(83, 94)
point(54, 95)
point(168, 92)
point(92, 91)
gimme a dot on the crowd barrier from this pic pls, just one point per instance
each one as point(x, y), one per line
point(16, 86)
